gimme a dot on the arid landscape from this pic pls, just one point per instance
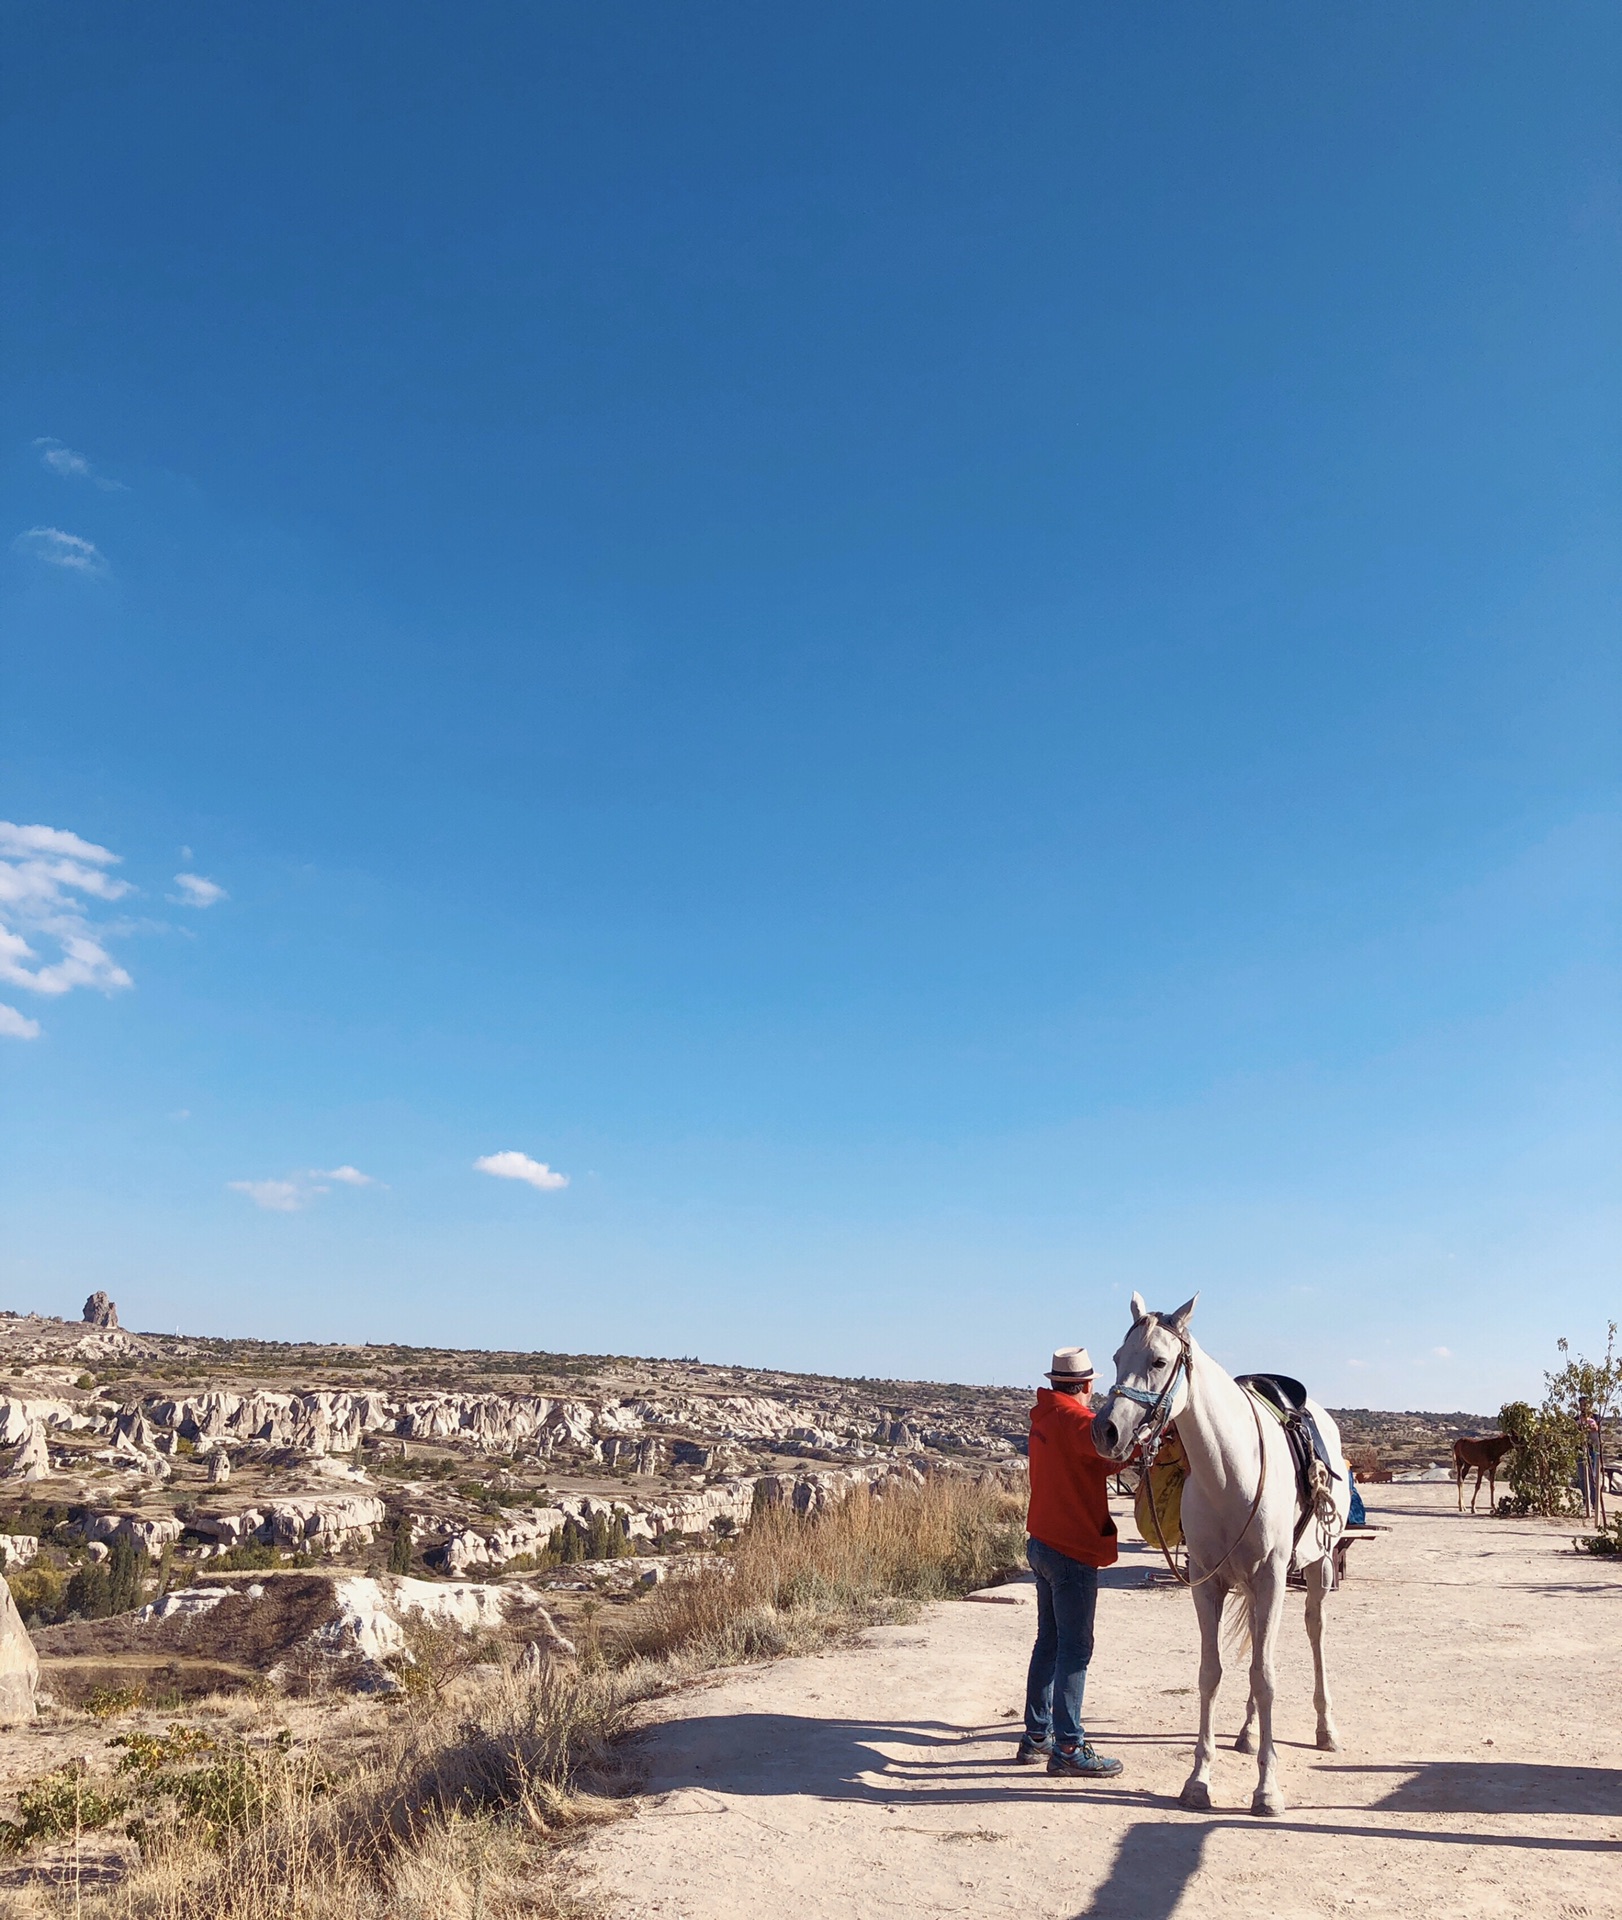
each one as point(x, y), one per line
point(252, 1555)
point(1477, 1674)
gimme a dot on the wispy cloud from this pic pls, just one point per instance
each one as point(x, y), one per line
point(298, 1190)
point(1442, 1353)
point(59, 549)
point(195, 891)
point(47, 877)
point(275, 1196)
point(519, 1166)
point(74, 466)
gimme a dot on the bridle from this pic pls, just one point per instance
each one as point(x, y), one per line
point(1160, 1418)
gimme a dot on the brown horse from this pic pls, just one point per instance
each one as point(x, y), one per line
point(1483, 1454)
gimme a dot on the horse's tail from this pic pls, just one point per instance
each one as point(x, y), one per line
point(1237, 1630)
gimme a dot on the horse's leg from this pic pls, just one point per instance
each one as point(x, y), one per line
point(1266, 1610)
point(1208, 1610)
point(1246, 1742)
point(1319, 1578)
point(1492, 1486)
point(1458, 1479)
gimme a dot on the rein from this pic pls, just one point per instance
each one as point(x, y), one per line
point(1155, 1402)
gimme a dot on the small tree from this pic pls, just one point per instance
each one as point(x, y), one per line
point(1542, 1460)
point(126, 1574)
point(400, 1547)
point(87, 1593)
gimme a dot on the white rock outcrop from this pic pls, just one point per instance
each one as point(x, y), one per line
point(188, 1602)
point(151, 1535)
point(19, 1412)
point(32, 1460)
point(312, 1523)
point(371, 1614)
point(19, 1663)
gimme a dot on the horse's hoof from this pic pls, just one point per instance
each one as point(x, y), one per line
point(1328, 1742)
point(1196, 1796)
point(1244, 1744)
point(1267, 1806)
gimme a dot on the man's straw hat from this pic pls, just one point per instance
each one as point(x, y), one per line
point(1070, 1363)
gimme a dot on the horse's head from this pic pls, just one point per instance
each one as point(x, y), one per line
point(1146, 1376)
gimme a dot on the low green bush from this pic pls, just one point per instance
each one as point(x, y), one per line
point(58, 1804)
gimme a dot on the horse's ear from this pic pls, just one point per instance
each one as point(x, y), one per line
point(1139, 1310)
point(1178, 1321)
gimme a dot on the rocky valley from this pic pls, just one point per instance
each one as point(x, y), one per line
point(155, 1477)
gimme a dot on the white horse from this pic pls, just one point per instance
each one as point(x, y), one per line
point(1239, 1519)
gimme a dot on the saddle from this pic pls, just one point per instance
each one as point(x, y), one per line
point(1286, 1399)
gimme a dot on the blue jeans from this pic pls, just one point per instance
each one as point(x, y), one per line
point(1066, 1600)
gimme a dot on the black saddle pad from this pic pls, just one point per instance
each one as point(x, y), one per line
point(1277, 1389)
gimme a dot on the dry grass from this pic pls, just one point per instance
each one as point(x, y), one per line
point(795, 1584)
point(460, 1807)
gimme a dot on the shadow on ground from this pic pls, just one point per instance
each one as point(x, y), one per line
point(922, 1765)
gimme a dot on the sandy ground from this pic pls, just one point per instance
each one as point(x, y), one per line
point(1476, 1667)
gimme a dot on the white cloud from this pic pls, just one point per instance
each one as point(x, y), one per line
point(195, 891)
point(299, 1189)
point(59, 549)
point(73, 466)
point(47, 877)
point(1442, 1353)
point(29, 840)
point(519, 1166)
point(17, 1026)
point(275, 1196)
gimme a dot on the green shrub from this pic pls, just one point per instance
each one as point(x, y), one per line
point(107, 1703)
point(126, 1576)
point(59, 1803)
point(1542, 1461)
point(253, 1557)
point(40, 1593)
point(89, 1593)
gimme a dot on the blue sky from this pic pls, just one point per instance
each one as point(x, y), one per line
point(959, 658)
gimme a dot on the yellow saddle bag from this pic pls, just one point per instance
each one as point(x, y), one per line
point(1158, 1510)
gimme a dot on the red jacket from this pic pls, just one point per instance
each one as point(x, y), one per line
point(1069, 1509)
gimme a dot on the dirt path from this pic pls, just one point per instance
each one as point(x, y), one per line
point(1477, 1673)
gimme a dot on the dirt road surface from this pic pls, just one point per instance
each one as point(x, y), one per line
point(1476, 1667)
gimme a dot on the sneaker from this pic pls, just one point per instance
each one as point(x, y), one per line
point(1083, 1763)
point(1029, 1751)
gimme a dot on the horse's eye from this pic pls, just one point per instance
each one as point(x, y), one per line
point(1156, 1365)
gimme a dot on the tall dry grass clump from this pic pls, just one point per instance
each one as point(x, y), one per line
point(455, 1811)
point(450, 1815)
point(794, 1583)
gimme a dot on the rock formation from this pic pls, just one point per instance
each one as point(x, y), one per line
point(19, 1663)
point(32, 1460)
point(147, 1534)
point(99, 1311)
point(316, 1523)
point(219, 1467)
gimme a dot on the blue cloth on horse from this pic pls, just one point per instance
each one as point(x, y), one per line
point(1357, 1517)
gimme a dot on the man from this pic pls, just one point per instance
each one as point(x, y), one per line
point(1071, 1537)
